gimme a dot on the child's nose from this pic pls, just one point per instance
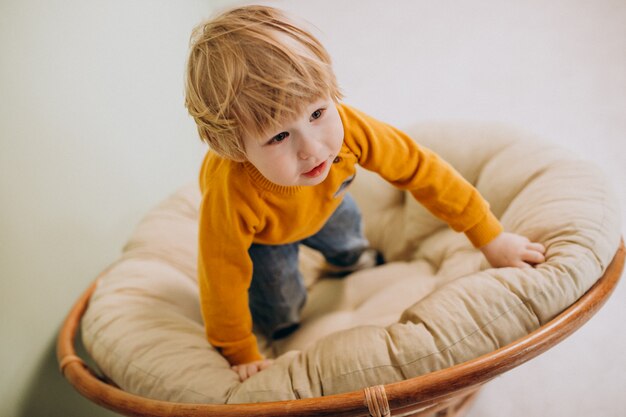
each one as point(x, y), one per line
point(303, 155)
point(308, 147)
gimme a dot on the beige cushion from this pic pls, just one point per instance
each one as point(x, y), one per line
point(435, 303)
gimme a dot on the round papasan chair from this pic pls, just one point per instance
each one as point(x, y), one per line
point(417, 335)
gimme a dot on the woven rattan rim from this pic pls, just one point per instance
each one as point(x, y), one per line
point(402, 397)
point(376, 401)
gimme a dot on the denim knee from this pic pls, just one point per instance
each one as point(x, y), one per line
point(341, 239)
point(277, 292)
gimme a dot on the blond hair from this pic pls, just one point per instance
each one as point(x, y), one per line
point(249, 70)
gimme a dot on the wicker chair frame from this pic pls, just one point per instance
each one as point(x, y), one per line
point(448, 392)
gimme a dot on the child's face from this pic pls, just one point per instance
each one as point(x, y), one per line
point(302, 152)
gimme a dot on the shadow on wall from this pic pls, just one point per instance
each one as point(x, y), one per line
point(49, 394)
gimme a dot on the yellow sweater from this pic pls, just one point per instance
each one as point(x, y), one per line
point(239, 207)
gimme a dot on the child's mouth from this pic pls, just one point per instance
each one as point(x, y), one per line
point(315, 171)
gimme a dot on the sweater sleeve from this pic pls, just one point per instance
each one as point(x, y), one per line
point(224, 273)
point(432, 181)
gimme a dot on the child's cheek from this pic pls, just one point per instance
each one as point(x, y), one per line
point(284, 169)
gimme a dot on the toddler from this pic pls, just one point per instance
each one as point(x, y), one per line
point(283, 153)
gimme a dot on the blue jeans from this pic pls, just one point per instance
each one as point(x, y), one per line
point(277, 292)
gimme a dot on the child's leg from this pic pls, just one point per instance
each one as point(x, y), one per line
point(341, 240)
point(277, 292)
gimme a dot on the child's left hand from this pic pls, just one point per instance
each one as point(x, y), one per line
point(510, 249)
point(246, 370)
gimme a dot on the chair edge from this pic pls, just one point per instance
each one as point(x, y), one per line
point(404, 396)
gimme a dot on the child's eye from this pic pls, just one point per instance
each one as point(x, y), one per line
point(317, 114)
point(278, 138)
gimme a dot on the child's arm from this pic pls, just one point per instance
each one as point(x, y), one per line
point(510, 249)
point(226, 224)
point(433, 182)
point(436, 185)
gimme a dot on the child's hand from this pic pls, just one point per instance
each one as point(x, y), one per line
point(510, 249)
point(246, 370)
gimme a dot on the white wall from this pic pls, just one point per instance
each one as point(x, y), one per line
point(93, 132)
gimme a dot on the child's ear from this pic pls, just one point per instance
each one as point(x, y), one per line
point(242, 155)
point(239, 157)
point(233, 154)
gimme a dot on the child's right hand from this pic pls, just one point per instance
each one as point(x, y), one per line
point(510, 249)
point(246, 370)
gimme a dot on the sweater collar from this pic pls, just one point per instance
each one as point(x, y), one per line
point(259, 180)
